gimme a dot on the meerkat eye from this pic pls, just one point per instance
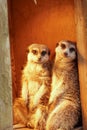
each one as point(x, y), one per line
point(43, 53)
point(63, 46)
point(72, 49)
point(35, 52)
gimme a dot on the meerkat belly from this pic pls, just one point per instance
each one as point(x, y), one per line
point(35, 93)
point(33, 88)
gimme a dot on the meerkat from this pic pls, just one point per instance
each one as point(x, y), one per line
point(64, 101)
point(36, 80)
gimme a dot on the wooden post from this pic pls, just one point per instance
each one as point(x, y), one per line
point(5, 71)
point(81, 31)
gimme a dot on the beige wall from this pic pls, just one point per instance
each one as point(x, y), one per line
point(5, 71)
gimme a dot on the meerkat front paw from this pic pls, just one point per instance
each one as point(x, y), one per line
point(30, 125)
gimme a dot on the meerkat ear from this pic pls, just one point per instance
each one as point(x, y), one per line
point(27, 51)
point(49, 52)
point(57, 44)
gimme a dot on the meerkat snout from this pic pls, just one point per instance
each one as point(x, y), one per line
point(65, 54)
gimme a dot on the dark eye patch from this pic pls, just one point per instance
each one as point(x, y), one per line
point(35, 52)
point(63, 46)
point(72, 49)
point(43, 53)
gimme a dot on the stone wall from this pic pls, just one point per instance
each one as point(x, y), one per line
point(5, 71)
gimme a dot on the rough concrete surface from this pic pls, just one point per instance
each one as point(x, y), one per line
point(5, 71)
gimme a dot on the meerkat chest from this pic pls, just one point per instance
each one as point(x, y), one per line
point(36, 68)
point(33, 87)
point(57, 82)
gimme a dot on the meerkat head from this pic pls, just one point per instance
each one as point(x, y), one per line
point(38, 53)
point(66, 51)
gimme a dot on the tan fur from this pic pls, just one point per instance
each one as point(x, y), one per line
point(64, 102)
point(20, 112)
point(36, 80)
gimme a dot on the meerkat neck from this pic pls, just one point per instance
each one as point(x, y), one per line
point(41, 70)
point(65, 65)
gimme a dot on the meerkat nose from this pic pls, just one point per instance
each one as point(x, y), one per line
point(65, 54)
point(39, 58)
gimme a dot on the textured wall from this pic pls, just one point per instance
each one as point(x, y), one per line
point(5, 71)
point(81, 27)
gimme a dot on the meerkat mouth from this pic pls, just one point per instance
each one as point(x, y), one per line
point(65, 60)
